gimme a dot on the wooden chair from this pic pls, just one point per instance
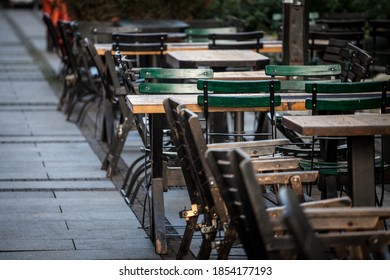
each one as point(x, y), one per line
point(141, 44)
point(81, 84)
point(108, 81)
point(345, 98)
point(239, 40)
point(164, 81)
point(220, 93)
point(318, 37)
point(120, 120)
point(296, 76)
point(54, 38)
point(188, 136)
point(370, 243)
point(285, 233)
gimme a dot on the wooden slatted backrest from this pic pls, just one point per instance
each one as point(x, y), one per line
point(55, 38)
point(239, 40)
point(187, 154)
point(220, 93)
point(172, 81)
point(198, 34)
point(357, 61)
point(347, 96)
point(147, 43)
point(297, 75)
point(103, 34)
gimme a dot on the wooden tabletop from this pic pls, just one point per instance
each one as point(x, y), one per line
point(339, 125)
point(216, 58)
point(272, 47)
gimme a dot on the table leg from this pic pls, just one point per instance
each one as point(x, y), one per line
point(362, 170)
point(158, 211)
point(239, 126)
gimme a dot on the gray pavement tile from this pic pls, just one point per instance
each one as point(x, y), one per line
point(95, 207)
point(76, 216)
point(20, 175)
point(42, 138)
point(12, 245)
point(58, 185)
point(104, 224)
point(20, 147)
point(114, 244)
point(120, 254)
point(33, 230)
point(27, 210)
point(14, 197)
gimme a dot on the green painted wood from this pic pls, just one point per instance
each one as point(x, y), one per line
point(227, 101)
point(346, 104)
point(342, 87)
point(221, 86)
point(168, 88)
point(205, 31)
point(303, 70)
point(168, 73)
point(299, 85)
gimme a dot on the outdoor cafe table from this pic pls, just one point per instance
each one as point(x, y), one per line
point(360, 130)
point(153, 105)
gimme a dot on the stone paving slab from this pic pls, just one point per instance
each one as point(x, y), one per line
point(118, 254)
point(35, 245)
point(42, 138)
point(100, 184)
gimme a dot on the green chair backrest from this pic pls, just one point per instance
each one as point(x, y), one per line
point(172, 81)
point(298, 75)
point(347, 96)
point(220, 93)
point(201, 34)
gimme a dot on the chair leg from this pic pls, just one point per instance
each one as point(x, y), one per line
point(111, 160)
point(187, 237)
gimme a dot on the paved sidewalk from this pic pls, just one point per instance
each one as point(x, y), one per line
point(55, 201)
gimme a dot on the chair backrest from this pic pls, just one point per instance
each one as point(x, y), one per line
point(103, 34)
point(220, 93)
point(86, 28)
point(355, 62)
point(141, 43)
point(318, 37)
point(332, 52)
point(247, 211)
point(54, 37)
point(68, 40)
point(298, 75)
point(347, 96)
point(172, 81)
point(239, 40)
point(343, 24)
point(201, 34)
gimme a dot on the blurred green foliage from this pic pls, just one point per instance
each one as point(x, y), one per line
point(257, 14)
